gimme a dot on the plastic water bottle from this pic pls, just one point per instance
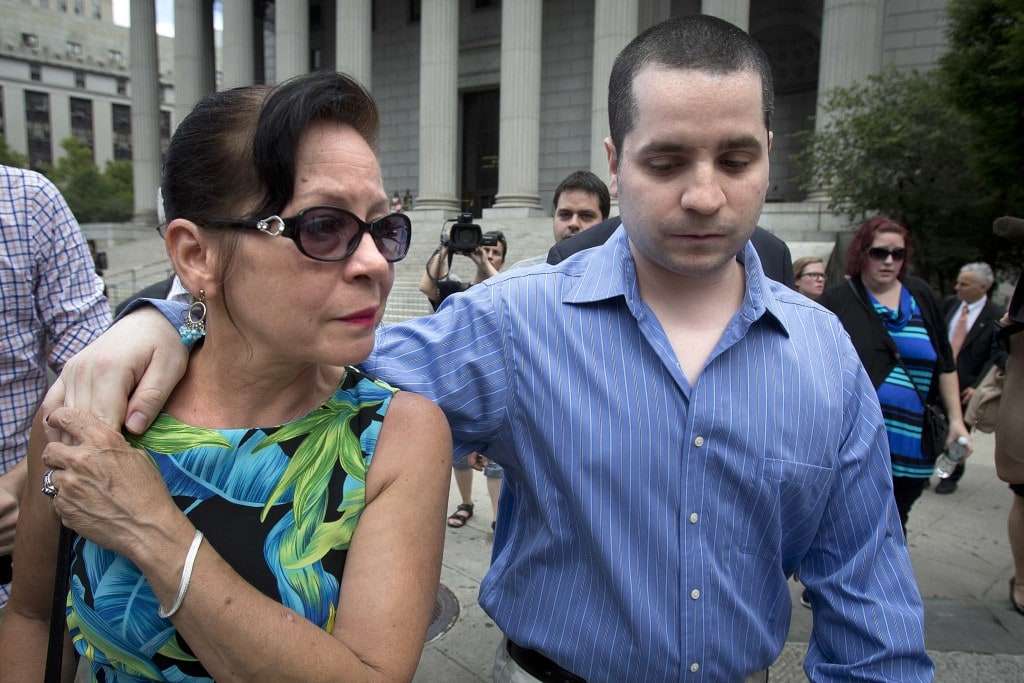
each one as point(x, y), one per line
point(948, 461)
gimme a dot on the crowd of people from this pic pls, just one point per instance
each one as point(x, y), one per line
point(256, 472)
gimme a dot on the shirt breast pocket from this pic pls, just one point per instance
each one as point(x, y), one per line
point(786, 508)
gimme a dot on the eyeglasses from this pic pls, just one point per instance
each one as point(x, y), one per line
point(882, 254)
point(813, 276)
point(327, 233)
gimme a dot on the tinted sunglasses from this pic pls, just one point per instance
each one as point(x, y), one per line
point(881, 254)
point(327, 233)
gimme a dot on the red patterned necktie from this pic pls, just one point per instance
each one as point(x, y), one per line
point(959, 332)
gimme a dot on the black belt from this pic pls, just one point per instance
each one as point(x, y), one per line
point(539, 666)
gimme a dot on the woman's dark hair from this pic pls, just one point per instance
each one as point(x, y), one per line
point(857, 252)
point(699, 42)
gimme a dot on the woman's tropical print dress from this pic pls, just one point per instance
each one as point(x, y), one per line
point(280, 506)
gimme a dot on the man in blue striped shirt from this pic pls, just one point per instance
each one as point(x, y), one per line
point(679, 433)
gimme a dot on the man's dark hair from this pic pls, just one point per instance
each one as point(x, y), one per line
point(500, 237)
point(585, 181)
point(698, 42)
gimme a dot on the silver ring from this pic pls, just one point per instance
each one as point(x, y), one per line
point(49, 488)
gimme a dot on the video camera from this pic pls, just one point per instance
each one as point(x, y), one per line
point(465, 236)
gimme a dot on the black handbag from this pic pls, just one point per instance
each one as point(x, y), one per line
point(936, 424)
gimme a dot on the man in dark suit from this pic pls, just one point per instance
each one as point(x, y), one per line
point(775, 257)
point(971, 326)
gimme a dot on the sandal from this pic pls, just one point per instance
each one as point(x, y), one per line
point(1013, 600)
point(462, 514)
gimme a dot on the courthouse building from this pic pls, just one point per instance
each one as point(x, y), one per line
point(485, 104)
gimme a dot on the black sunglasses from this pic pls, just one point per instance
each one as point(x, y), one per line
point(327, 233)
point(881, 254)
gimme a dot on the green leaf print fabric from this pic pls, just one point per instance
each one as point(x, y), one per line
point(279, 504)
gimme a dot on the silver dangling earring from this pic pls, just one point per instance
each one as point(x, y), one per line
point(194, 327)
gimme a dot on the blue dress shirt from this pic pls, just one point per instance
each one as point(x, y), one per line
point(652, 524)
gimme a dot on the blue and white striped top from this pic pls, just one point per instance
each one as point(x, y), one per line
point(652, 525)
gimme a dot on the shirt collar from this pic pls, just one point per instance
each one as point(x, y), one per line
point(608, 271)
point(977, 305)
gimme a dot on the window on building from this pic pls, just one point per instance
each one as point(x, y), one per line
point(122, 86)
point(116, 58)
point(74, 49)
point(121, 115)
point(79, 7)
point(97, 9)
point(165, 133)
point(81, 122)
point(35, 72)
point(29, 40)
point(486, 4)
point(37, 123)
point(414, 11)
point(62, 5)
point(80, 79)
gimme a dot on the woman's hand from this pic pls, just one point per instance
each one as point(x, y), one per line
point(957, 428)
point(107, 491)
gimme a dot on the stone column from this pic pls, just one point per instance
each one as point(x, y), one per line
point(16, 133)
point(60, 122)
point(851, 47)
point(239, 44)
point(734, 11)
point(194, 76)
point(291, 38)
point(103, 131)
point(439, 70)
point(615, 23)
point(353, 46)
point(519, 136)
point(145, 84)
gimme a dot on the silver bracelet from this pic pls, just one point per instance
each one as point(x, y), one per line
point(186, 576)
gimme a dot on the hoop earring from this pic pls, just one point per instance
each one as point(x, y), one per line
point(194, 327)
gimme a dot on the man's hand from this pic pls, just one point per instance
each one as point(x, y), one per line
point(965, 396)
point(129, 371)
point(484, 269)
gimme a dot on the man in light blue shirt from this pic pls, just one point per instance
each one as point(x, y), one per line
point(679, 433)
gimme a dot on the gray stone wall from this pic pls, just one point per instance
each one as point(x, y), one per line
point(914, 33)
point(566, 63)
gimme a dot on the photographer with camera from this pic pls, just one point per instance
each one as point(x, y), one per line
point(487, 250)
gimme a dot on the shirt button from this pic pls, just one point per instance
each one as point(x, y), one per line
point(694, 517)
point(699, 441)
point(695, 667)
point(695, 594)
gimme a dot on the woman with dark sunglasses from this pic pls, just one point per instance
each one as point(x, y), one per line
point(277, 522)
point(894, 321)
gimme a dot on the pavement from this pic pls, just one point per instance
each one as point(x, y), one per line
point(961, 561)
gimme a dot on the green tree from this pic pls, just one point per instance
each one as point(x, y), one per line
point(894, 146)
point(93, 196)
point(984, 75)
point(8, 157)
